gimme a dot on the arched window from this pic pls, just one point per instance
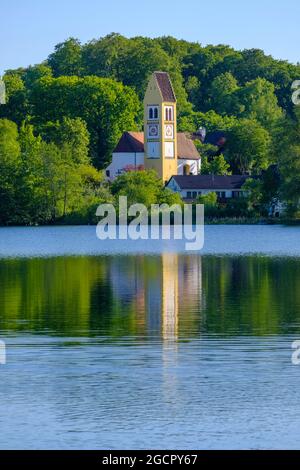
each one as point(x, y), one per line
point(152, 113)
point(169, 113)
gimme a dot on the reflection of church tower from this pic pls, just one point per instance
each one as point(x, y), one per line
point(169, 296)
point(160, 126)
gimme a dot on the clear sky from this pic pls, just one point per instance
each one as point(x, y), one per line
point(29, 29)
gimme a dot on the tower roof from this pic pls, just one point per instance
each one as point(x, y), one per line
point(165, 86)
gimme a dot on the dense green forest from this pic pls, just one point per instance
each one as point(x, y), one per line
point(63, 117)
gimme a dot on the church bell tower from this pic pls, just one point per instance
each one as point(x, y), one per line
point(160, 126)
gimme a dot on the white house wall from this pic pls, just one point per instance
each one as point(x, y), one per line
point(203, 192)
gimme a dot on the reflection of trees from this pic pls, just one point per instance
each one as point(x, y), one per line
point(169, 295)
point(53, 294)
point(251, 295)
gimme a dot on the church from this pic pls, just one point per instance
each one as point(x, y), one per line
point(159, 147)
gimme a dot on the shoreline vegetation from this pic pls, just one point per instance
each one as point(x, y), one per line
point(284, 221)
point(63, 117)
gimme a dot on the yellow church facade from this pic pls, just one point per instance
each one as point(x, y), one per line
point(160, 129)
point(159, 146)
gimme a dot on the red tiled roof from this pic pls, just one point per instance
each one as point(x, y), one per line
point(165, 86)
point(133, 142)
point(186, 147)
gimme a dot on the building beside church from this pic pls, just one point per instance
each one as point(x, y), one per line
point(159, 147)
point(226, 187)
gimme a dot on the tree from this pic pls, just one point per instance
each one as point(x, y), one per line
point(139, 186)
point(192, 86)
point(248, 147)
point(143, 187)
point(66, 58)
point(34, 73)
point(254, 188)
point(10, 164)
point(209, 199)
point(107, 107)
point(71, 132)
point(288, 154)
point(222, 94)
point(259, 102)
point(16, 108)
point(217, 165)
point(100, 56)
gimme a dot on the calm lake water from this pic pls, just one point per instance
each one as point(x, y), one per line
point(142, 345)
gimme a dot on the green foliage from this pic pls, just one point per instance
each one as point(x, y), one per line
point(10, 164)
point(70, 132)
point(288, 160)
point(222, 93)
point(258, 101)
point(44, 181)
point(143, 187)
point(209, 199)
point(16, 108)
point(238, 207)
point(34, 73)
point(255, 190)
point(216, 165)
point(72, 108)
point(248, 147)
point(107, 107)
point(66, 59)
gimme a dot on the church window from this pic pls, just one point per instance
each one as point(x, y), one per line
point(169, 113)
point(152, 113)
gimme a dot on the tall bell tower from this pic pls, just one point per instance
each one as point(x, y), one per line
point(160, 126)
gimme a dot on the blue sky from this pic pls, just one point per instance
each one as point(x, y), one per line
point(30, 29)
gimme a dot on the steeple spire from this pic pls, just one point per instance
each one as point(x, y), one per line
point(160, 126)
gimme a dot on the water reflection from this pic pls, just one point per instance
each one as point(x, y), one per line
point(149, 351)
point(164, 297)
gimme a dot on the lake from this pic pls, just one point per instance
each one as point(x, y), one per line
point(121, 345)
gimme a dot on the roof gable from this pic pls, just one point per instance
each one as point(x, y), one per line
point(130, 142)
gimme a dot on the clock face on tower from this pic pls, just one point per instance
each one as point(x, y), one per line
point(153, 131)
point(169, 131)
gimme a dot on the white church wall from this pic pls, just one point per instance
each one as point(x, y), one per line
point(193, 164)
point(122, 160)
